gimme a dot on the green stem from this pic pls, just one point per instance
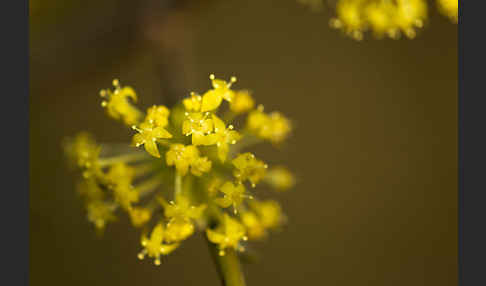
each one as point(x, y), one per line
point(125, 158)
point(247, 141)
point(149, 185)
point(177, 185)
point(228, 265)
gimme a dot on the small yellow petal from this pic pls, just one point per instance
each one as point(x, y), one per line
point(151, 148)
point(211, 100)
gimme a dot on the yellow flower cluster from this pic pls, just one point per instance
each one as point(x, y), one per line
point(449, 8)
point(192, 172)
point(390, 18)
point(382, 17)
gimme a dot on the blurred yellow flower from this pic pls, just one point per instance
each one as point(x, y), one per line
point(139, 216)
point(449, 8)
point(242, 102)
point(386, 17)
point(280, 178)
point(100, 213)
point(227, 235)
point(247, 167)
point(273, 127)
point(154, 246)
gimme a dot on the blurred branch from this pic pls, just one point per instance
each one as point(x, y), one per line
point(228, 266)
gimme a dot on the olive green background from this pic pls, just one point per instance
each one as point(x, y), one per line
point(374, 147)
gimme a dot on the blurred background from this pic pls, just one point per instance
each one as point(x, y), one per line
point(374, 147)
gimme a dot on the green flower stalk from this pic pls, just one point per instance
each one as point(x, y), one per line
point(186, 170)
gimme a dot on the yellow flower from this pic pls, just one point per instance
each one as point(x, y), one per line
point(90, 190)
point(349, 18)
point(410, 14)
point(125, 195)
point(120, 174)
point(242, 102)
point(148, 134)
point(178, 230)
point(158, 116)
point(221, 90)
point(154, 246)
point(183, 157)
point(213, 185)
point(269, 213)
point(181, 215)
point(222, 137)
point(274, 127)
point(200, 165)
point(277, 129)
point(118, 105)
point(249, 168)
point(119, 179)
point(139, 216)
point(380, 17)
point(84, 151)
point(253, 225)
point(233, 195)
point(100, 213)
point(449, 8)
point(256, 120)
point(199, 126)
point(182, 209)
point(193, 103)
point(280, 178)
point(265, 215)
point(227, 235)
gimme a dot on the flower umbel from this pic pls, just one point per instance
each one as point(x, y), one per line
point(190, 176)
point(383, 18)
